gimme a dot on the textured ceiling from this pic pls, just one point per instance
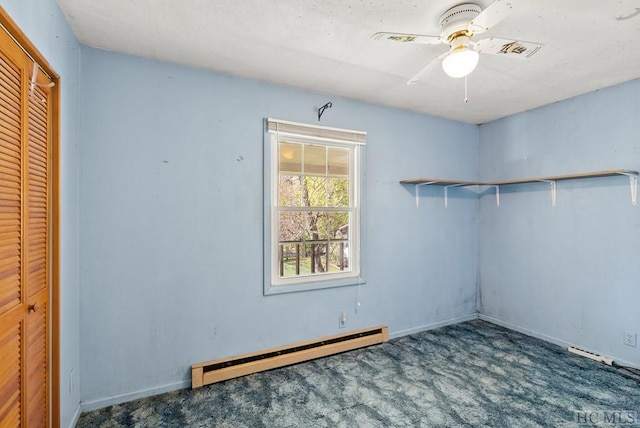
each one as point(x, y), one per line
point(325, 46)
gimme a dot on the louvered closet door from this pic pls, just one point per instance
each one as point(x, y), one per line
point(24, 242)
point(37, 254)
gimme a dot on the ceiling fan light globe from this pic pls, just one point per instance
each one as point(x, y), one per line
point(460, 63)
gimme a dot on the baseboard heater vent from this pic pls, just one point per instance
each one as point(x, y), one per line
point(590, 355)
point(241, 365)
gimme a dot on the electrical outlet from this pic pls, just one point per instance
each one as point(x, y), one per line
point(342, 320)
point(631, 338)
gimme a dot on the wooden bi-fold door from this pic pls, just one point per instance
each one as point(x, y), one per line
point(26, 115)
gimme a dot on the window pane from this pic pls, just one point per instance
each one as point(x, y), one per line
point(339, 256)
point(314, 193)
point(315, 160)
point(305, 264)
point(290, 260)
point(316, 226)
point(291, 226)
point(339, 225)
point(290, 191)
point(316, 259)
point(290, 158)
point(338, 162)
point(338, 192)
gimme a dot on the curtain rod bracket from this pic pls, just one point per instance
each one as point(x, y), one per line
point(323, 108)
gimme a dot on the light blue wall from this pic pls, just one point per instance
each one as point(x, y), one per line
point(571, 273)
point(171, 223)
point(46, 27)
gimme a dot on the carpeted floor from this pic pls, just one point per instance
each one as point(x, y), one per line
point(473, 374)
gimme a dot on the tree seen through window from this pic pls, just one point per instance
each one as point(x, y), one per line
point(314, 198)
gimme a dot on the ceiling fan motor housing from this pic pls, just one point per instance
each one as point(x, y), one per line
point(457, 19)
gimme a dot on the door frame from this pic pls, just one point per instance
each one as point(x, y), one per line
point(54, 293)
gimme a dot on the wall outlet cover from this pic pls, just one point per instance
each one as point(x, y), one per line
point(342, 320)
point(631, 338)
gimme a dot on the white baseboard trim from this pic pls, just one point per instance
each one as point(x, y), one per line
point(414, 330)
point(626, 363)
point(550, 339)
point(87, 406)
point(526, 331)
point(76, 416)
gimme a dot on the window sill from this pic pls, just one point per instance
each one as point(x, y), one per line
point(270, 289)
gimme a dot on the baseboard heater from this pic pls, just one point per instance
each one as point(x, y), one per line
point(241, 365)
point(591, 355)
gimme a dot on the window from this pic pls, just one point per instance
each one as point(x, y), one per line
point(312, 207)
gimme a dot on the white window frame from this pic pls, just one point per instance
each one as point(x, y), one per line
point(277, 130)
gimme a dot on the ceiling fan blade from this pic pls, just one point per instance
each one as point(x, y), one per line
point(494, 13)
point(409, 38)
point(507, 47)
point(419, 77)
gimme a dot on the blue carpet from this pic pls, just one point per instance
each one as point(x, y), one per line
point(473, 374)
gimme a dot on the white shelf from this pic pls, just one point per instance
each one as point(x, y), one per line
point(417, 182)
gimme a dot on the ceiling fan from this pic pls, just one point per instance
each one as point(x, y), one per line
point(458, 26)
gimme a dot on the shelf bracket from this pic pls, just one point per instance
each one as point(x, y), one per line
point(446, 193)
point(497, 195)
point(552, 183)
point(633, 185)
point(418, 191)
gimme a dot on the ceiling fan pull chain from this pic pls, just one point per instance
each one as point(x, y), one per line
point(466, 92)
